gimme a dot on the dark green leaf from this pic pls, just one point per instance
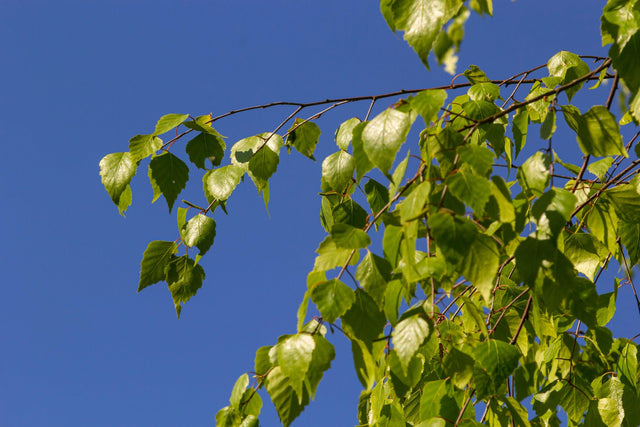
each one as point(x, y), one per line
point(363, 164)
point(495, 361)
point(628, 364)
point(184, 277)
point(383, 136)
point(264, 163)
point(154, 260)
point(630, 237)
point(377, 195)
point(344, 134)
point(169, 176)
point(548, 127)
point(520, 128)
point(363, 320)
point(337, 170)
point(206, 147)
point(333, 299)
point(141, 146)
point(303, 136)
point(438, 401)
point(453, 235)
point(199, 232)
point(168, 122)
point(222, 181)
point(626, 201)
point(458, 366)
point(116, 170)
point(349, 212)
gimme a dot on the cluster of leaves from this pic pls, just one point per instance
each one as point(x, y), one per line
point(482, 292)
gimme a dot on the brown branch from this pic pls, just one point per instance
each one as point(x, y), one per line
point(522, 320)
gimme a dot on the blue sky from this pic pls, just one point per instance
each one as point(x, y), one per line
point(79, 79)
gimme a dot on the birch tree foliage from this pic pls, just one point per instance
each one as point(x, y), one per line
point(480, 306)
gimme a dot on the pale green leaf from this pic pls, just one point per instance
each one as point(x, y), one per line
point(199, 232)
point(630, 237)
point(412, 206)
point(337, 170)
point(469, 188)
point(599, 168)
point(330, 255)
point(116, 171)
point(628, 364)
point(479, 158)
point(585, 252)
point(294, 358)
point(238, 391)
point(383, 136)
point(344, 134)
point(408, 336)
point(598, 132)
point(568, 66)
point(520, 129)
point(284, 397)
point(484, 91)
point(373, 274)
point(438, 401)
point(168, 122)
point(222, 181)
point(349, 237)
point(481, 263)
point(154, 260)
point(363, 164)
point(141, 146)
point(533, 175)
point(428, 104)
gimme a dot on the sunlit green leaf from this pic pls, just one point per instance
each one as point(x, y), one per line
point(344, 134)
point(303, 136)
point(533, 175)
point(349, 237)
point(184, 277)
point(284, 397)
point(116, 170)
point(206, 147)
point(199, 232)
point(568, 66)
point(141, 146)
point(597, 131)
point(428, 104)
point(294, 358)
point(337, 170)
point(470, 188)
point(222, 181)
point(408, 336)
point(168, 122)
point(383, 136)
point(154, 260)
point(333, 299)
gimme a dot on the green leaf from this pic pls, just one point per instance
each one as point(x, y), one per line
point(626, 201)
point(184, 277)
point(552, 210)
point(222, 181)
point(264, 163)
point(373, 274)
point(330, 255)
point(533, 175)
point(154, 261)
point(337, 170)
point(458, 366)
point(408, 336)
point(422, 21)
point(377, 195)
point(585, 252)
point(242, 154)
point(484, 91)
point(628, 364)
point(116, 171)
point(469, 188)
point(202, 124)
point(323, 354)
point(597, 131)
point(630, 237)
point(349, 212)
point(168, 122)
point(349, 237)
point(520, 128)
point(475, 75)
point(502, 196)
point(206, 147)
point(568, 66)
point(548, 127)
point(482, 6)
point(428, 104)
point(481, 263)
point(199, 232)
point(600, 167)
point(364, 320)
point(363, 363)
point(363, 164)
point(333, 299)
point(344, 134)
point(412, 206)
point(396, 177)
point(453, 235)
point(303, 136)
point(383, 136)
point(479, 158)
point(518, 412)
point(169, 176)
point(495, 361)
point(228, 417)
point(294, 357)
point(141, 146)
point(238, 391)
point(438, 401)
point(284, 397)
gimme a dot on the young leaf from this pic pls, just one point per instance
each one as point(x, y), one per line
point(169, 176)
point(184, 277)
point(470, 188)
point(599, 168)
point(294, 357)
point(303, 136)
point(383, 136)
point(168, 122)
point(337, 170)
point(597, 131)
point(428, 104)
point(238, 391)
point(199, 232)
point(344, 134)
point(364, 320)
point(283, 396)
point(568, 66)
point(349, 237)
point(377, 195)
point(333, 299)
point(116, 170)
point(533, 175)
point(520, 128)
point(222, 181)
point(330, 255)
point(495, 361)
point(154, 260)
point(363, 164)
point(264, 163)
point(141, 146)
point(206, 147)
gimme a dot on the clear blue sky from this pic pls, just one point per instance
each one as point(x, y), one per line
point(78, 79)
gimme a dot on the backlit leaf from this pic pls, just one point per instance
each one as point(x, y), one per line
point(408, 336)
point(533, 175)
point(116, 170)
point(349, 237)
point(222, 181)
point(495, 361)
point(337, 170)
point(333, 299)
point(169, 176)
point(294, 358)
point(373, 274)
point(470, 188)
point(303, 136)
point(141, 146)
point(206, 147)
point(154, 260)
point(184, 277)
point(383, 136)
point(428, 104)
point(168, 122)
point(199, 231)
point(344, 134)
